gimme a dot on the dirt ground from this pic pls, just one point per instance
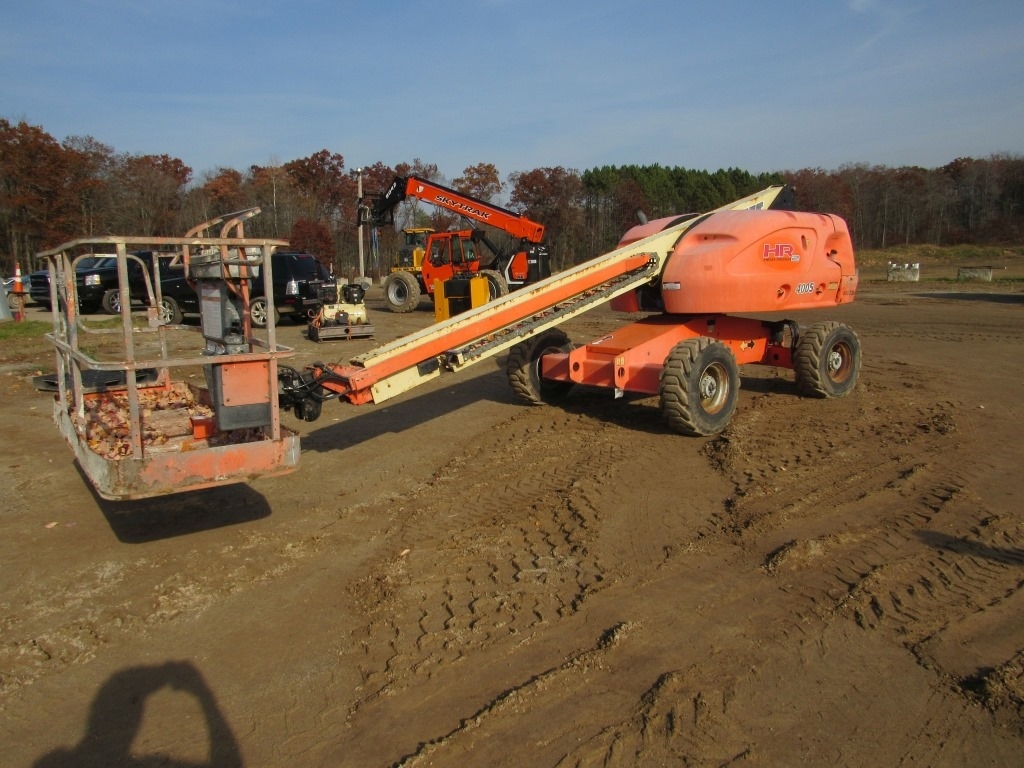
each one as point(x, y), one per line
point(452, 579)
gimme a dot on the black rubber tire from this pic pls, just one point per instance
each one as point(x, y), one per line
point(700, 385)
point(496, 283)
point(170, 312)
point(827, 360)
point(308, 409)
point(401, 292)
point(523, 368)
point(111, 302)
point(258, 312)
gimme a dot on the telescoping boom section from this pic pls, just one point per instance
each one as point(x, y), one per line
point(509, 320)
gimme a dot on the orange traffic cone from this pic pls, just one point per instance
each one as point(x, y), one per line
point(18, 291)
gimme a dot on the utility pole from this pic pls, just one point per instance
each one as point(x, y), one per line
point(359, 203)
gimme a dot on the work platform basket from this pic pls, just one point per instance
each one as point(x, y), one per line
point(151, 408)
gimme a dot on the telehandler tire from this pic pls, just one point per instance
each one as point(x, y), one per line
point(699, 387)
point(496, 283)
point(523, 368)
point(401, 292)
point(827, 360)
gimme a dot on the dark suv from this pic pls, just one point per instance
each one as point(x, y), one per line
point(298, 278)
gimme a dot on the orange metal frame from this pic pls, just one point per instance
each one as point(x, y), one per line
point(144, 468)
point(631, 358)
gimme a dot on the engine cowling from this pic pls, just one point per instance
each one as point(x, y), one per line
point(760, 261)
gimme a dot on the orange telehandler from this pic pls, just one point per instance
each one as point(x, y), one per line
point(430, 256)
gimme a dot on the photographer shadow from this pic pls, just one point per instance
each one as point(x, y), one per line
point(116, 717)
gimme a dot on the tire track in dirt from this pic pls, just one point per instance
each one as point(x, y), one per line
point(567, 678)
point(844, 451)
point(757, 713)
point(895, 537)
point(485, 562)
point(480, 575)
point(678, 717)
point(863, 567)
point(48, 629)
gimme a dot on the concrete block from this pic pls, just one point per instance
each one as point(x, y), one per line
point(983, 274)
point(903, 273)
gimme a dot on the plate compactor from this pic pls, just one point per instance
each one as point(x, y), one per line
point(342, 313)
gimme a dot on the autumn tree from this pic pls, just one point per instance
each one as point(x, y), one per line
point(32, 198)
point(91, 165)
point(274, 192)
point(322, 183)
point(553, 197)
point(148, 191)
point(1010, 200)
point(819, 190)
point(313, 237)
point(419, 168)
point(481, 181)
point(326, 192)
point(225, 190)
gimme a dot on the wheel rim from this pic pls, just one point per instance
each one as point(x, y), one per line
point(542, 384)
point(398, 292)
point(115, 304)
point(713, 388)
point(166, 315)
point(839, 362)
point(259, 312)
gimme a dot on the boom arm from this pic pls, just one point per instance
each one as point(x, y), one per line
point(383, 210)
point(485, 331)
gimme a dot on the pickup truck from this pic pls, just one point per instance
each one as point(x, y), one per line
point(298, 278)
point(96, 276)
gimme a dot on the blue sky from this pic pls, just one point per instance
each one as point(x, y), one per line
point(523, 84)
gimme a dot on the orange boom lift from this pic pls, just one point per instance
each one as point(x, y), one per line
point(691, 277)
point(695, 272)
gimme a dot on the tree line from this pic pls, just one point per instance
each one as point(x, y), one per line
point(52, 192)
